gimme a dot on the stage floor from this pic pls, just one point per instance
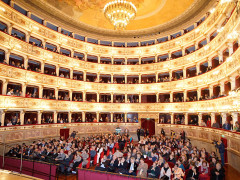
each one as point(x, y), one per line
point(8, 175)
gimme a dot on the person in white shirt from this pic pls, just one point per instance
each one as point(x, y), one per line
point(9, 123)
point(165, 171)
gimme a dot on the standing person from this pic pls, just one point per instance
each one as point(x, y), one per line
point(183, 135)
point(138, 133)
point(147, 133)
point(221, 149)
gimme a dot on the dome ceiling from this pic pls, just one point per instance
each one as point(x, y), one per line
point(153, 16)
point(150, 13)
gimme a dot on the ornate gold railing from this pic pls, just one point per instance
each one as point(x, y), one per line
point(224, 104)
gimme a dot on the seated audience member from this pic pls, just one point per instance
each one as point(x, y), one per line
point(103, 165)
point(215, 125)
point(218, 173)
point(165, 172)
point(132, 167)
point(153, 171)
point(226, 126)
point(204, 171)
point(178, 173)
point(192, 173)
point(142, 169)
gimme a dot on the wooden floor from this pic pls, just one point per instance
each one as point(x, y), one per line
point(231, 174)
point(8, 175)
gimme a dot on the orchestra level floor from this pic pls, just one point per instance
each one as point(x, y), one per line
point(231, 174)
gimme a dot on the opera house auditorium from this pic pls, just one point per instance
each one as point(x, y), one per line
point(120, 89)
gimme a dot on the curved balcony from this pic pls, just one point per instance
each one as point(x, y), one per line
point(225, 70)
point(34, 28)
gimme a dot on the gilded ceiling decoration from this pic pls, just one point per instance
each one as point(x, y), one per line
point(149, 12)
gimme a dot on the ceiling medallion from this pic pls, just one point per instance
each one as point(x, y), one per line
point(119, 13)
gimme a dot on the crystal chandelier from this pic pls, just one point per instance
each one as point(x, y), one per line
point(119, 13)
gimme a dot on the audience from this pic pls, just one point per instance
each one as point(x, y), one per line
point(157, 156)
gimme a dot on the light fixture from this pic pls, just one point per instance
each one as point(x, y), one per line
point(119, 13)
point(225, 1)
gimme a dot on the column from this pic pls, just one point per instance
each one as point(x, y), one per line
point(171, 96)
point(183, 51)
point(111, 97)
point(7, 55)
point(126, 98)
point(23, 89)
point(111, 116)
point(97, 116)
point(97, 96)
point(98, 76)
point(140, 78)
point(22, 113)
point(186, 118)
point(126, 60)
point(169, 55)
point(44, 43)
point(56, 93)
point(58, 48)
point(111, 78)
point(157, 97)
point(4, 88)
point(199, 93)
point(85, 57)
point(84, 96)
point(170, 75)
point(83, 116)
point(59, 29)
point(224, 117)
point(156, 73)
point(28, 37)
point(98, 59)
point(140, 97)
point(39, 117)
point(172, 118)
point(209, 62)
point(2, 115)
point(25, 62)
point(69, 117)
point(112, 60)
point(208, 38)
point(222, 88)
point(198, 68)
point(84, 75)
point(70, 94)
point(40, 90)
point(199, 118)
point(196, 45)
point(140, 60)
point(156, 57)
point(71, 73)
point(211, 91)
point(125, 78)
point(57, 70)
point(184, 73)
point(184, 95)
point(72, 53)
point(125, 117)
point(55, 113)
point(230, 45)
point(29, 14)
point(212, 118)
point(10, 29)
point(42, 66)
point(234, 117)
point(220, 55)
point(233, 83)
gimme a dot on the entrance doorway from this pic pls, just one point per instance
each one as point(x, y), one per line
point(147, 123)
